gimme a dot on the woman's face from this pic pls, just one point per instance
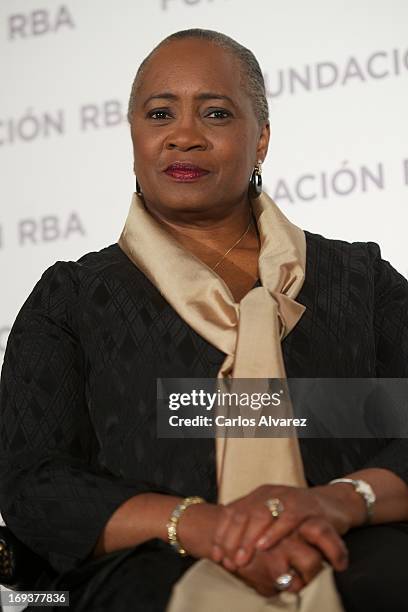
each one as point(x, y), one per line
point(195, 134)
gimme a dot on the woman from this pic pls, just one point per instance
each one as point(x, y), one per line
point(86, 483)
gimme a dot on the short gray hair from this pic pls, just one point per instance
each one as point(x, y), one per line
point(251, 69)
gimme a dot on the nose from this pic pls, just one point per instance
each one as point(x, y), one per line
point(186, 136)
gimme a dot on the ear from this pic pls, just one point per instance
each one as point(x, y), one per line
point(263, 141)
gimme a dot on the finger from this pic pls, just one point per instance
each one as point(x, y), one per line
point(278, 564)
point(297, 583)
point(259, 521)
point(228, 564)
point(233, 537)
point(270, 590)
point(261, 571)
point(280, 528)
point(305, 559)
point(322, 535)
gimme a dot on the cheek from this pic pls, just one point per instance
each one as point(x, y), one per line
point(239, 144)
point(145, 144)
point(145, 152)
point(236, 156)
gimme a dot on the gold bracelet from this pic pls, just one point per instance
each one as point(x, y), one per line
point(174, 519)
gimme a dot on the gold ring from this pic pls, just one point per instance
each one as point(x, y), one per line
point(275, 506)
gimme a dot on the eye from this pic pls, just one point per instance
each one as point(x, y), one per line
point(220, 114)
point(158, 114)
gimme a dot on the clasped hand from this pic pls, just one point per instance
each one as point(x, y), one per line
point(251, 543)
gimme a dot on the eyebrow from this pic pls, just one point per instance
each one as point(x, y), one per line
point(207, 95)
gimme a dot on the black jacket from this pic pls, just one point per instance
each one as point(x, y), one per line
point(78, 387)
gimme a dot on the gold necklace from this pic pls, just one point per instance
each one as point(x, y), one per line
point(233, 246)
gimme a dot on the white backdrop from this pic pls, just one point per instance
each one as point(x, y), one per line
point(337, 79)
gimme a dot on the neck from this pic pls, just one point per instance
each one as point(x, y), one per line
point(213, 229)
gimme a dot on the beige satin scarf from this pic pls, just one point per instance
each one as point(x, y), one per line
point(249, 333)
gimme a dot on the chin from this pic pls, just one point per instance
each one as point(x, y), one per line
point(186, 197)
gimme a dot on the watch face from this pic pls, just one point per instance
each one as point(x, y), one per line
point(366, 490)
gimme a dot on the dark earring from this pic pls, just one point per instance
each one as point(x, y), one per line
point(138, 190)
point(255, 184)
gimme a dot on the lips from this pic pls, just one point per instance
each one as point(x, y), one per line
point(183, 171)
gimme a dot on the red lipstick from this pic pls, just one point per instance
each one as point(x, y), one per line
point(185, 172)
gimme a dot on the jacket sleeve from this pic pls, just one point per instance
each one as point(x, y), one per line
point(391, 341)
point(53, 495)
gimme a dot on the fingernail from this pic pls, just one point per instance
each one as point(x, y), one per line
point(228, 564)
point(240, 556)
point(216, 553)
point(261, 542)
point(342, 564)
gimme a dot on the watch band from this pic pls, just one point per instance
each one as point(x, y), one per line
point(364, 489)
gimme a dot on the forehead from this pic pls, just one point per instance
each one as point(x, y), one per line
point(190, 66)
